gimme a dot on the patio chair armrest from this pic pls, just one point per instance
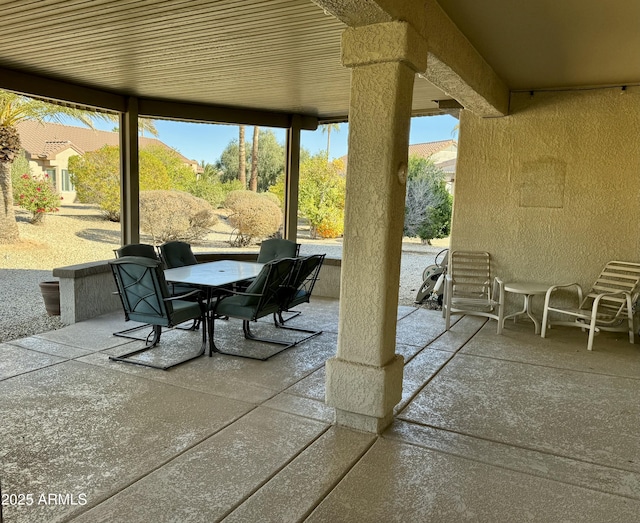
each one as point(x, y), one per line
point(233, 292)
point(554, 288)
point(601, 295)
point(185, 295)
point(498, 290)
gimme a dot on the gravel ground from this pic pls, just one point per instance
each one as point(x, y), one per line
point(78, 234)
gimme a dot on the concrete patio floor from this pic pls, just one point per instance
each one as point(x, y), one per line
point(490, 428)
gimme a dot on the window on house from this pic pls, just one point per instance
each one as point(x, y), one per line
point(51, 173)
point(66, 181)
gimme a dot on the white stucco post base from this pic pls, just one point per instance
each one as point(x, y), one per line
point(364, 380)
point(364, 395)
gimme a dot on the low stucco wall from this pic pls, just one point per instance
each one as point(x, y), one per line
point(553, 190)
point(87, 290)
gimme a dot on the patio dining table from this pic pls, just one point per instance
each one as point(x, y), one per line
point(212, 276)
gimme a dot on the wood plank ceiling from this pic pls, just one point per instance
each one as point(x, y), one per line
point(278, 55)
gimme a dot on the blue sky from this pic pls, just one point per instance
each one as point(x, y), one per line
point(207, 141)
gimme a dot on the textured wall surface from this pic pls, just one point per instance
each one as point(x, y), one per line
point(364, 380)
point(86, 291)
point(552, 191)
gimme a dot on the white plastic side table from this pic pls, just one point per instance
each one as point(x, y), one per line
point(528, 290)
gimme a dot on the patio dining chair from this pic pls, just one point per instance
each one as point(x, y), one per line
point(177, 254)
point(298, 290)
point(276, 248)
point(272, 249)
point(608, 305)
point(262, 298)
point(470, 289)
point(145, 298)
point(137, 249)
point(149, 251)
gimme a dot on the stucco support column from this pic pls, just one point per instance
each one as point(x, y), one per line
point(129, 174)
point(364, 380)
point(292, 180)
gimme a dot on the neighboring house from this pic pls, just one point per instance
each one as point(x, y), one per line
point(48, 147)
point(443, 154)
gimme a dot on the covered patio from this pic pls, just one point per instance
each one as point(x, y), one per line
point(489, 428)
point(385, 417)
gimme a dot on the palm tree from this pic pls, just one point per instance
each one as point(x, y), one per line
point(327, 128)
point(253, 181)
point(242, 158)
point(146, 124)
point(15, 108)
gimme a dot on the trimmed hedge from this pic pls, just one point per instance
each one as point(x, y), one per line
point(175, 215)
point(254, 217)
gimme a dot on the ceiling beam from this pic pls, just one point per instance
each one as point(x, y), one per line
point(64, 92)
point(220, 114)
point(67, 93)
point(453, 64)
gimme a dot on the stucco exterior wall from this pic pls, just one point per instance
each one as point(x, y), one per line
point(59, 162)
point(552, 191)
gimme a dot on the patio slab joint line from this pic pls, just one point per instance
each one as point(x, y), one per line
point(37, 369)
point(342, 476)
point(102, 499)
point(513, 469)
point(453, 354)
point(280, 469)
point(562, 369)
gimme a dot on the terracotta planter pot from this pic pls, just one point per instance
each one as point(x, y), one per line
point(51, 295)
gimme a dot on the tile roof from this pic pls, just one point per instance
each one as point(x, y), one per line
point(45, 140)
point(425, 150)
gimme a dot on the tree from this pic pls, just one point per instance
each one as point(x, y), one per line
point(209, 171)
point(96, 176)
point(253, 182)
point(270, 160)
point(14, 109)
point(242, 158)
point(321, 195)
point(327, 128)
point(144, 124)
point(428, 204)
point(182, 176)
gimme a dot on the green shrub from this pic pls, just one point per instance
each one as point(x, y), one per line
point(428, 204)
point(175, 215)
point(213, 191)
point(331, 225)
point(322, 196)
point(254, 217)
point(37, 196)
point(96, 176)
point(19, 166)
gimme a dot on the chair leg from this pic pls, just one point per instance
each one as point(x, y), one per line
point(592, 329)
point(154, 337)
point(281, 325)
point(545, 322)
point(126, 333)
point(630, 319)
point(294, 314)
point(250, 336)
